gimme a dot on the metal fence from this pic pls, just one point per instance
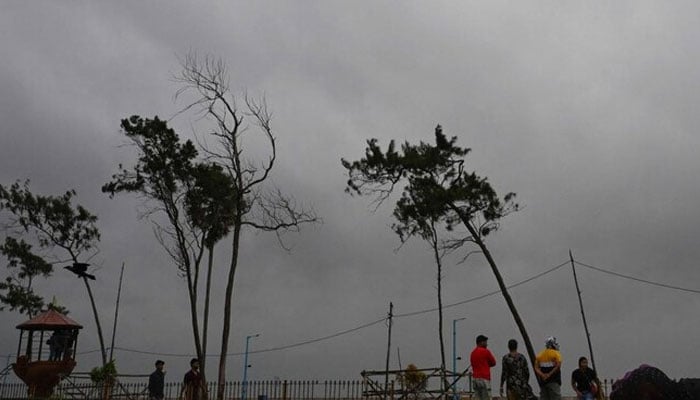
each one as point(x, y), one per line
point(135, 389)
point(255, 390)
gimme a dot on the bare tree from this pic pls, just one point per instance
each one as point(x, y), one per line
point(255, 203)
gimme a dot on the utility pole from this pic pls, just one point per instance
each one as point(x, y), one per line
point(388, 351)
point(454, 356)
point(244, 384)
point(583, 315)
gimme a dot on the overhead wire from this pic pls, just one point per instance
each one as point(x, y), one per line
point(357, 328)
point(483, 296)
point(414, 313)
point(659, 284)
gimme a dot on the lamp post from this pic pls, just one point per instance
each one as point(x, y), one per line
point(245, 366)
point(454, 356)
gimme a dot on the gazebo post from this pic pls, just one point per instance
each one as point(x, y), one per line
point(19, 345)
point(30, 340)
point(41, 345)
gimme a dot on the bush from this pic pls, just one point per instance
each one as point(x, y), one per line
point(105, 373)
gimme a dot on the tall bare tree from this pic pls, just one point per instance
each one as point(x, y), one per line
point(257, 205)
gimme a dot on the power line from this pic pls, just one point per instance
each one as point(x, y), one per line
point(483, 296)
point(278, 348)
point(664, 285)
point(357, 328)
point(413, 313)
point(410, 314)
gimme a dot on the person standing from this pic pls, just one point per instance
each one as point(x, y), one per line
point(156, 382)
point(548, 370)
point(515, 374)
point(193, 383)
point(482, 360)
point(584, 380)
point(54, 346)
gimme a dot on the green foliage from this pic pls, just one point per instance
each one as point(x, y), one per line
point(412, 379)
point(17, 297)
point(52, 220)
point(164, 163)
point(210, 202)
point(57, 307)
point(197, 198)
point(38, 227)
point(439, 192)
point(104, 374)
point(438, 189)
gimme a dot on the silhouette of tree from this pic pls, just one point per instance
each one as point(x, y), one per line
point(39, 230)
point(194, 198)
point(256, 204)
point(438, 190)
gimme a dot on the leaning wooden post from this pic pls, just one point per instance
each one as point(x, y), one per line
point(583, 315)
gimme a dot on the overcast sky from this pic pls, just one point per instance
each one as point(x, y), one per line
point(587, 110)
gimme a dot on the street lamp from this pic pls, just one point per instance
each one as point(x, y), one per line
point(454, 356)
point(246, 366)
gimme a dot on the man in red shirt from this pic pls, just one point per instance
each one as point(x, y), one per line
point(482, 360)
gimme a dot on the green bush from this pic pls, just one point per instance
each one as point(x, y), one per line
point(105, 373)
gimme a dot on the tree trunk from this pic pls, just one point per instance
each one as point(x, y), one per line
point(506, 295)
point(504, 290)
point(438, 261)
point(192, 292)
point(227, 309)
point(205, 327)
point(97, 322)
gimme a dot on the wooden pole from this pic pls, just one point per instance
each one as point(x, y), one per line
point(116, 314)
point(583, 315)
point(388, 351)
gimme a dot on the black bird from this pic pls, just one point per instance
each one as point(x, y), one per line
point(80, 269)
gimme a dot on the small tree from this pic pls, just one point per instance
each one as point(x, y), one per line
point(413, 381)
point(438, 190)
point(41, 231)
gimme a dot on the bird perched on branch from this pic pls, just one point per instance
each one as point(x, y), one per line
point(80, 269)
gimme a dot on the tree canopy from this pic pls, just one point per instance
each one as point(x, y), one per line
point(438, 190)
point(39, 232)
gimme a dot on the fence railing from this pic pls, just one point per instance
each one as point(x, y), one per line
point(255, 390)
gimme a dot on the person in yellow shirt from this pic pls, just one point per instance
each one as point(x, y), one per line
point(548, 370)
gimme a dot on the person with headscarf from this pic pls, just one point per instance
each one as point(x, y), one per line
point(548, 370)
